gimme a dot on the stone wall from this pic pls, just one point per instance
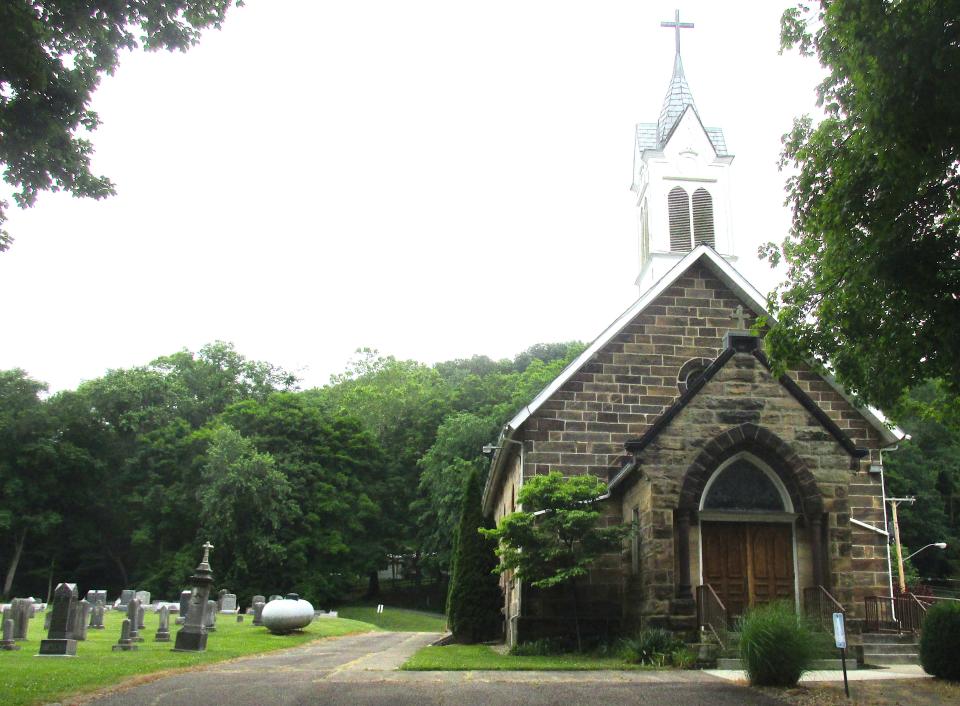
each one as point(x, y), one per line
point(625, 388)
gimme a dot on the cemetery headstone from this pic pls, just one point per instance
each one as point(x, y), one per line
point(133, 615)
point(80, 618)
point(8, 643)
point(211, 616)
point(144, 597)
point(258, 598)
point(192, 637)
point(96, 616)
point(228, 603)
point(141, 613)
point(163, 631)
point(184, 607)
point(125, 643)
point(275, 597)
point(239, 617)
point(46, 619)
point(126, 595)
point(60, 640)
point(22, 609)
point(94, 595)
point(220, 594)
point(258, 612)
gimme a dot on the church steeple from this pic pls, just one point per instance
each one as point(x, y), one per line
point(681, 178)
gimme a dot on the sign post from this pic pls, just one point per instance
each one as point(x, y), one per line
point(840, 637)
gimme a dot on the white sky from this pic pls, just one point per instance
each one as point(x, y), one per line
point(434, 179)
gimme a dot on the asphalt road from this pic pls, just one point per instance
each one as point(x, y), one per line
point(361, 669)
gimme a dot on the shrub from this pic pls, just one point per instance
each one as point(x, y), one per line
point(652, 646)
point(940, 641)
point(683, 658)
point(536, 648)
point(775, 645)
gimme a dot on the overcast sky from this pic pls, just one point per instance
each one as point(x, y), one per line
point(431, 179)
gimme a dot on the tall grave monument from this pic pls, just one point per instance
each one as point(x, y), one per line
point(193, 636)
point(60, 640)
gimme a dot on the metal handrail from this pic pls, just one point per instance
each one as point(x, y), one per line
point(711, 613)
point(820, 605)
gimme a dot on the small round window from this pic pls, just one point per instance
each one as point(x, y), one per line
point(691, 371)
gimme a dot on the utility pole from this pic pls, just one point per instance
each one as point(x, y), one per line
point(894, 502)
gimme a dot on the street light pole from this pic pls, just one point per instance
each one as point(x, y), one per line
point(938, 545)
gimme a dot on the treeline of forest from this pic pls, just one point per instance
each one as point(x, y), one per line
point(116, 484)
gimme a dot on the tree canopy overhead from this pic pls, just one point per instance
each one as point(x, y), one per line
point(874, 252)
point(52, 56)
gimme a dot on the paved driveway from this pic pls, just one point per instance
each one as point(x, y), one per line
point(361, 669)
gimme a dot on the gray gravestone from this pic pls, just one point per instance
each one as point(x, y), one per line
point(258, 612)
point(163, 631)
point(125, 643)
point(46, 619)
point(184, 606)
point(192, 637)
point(220, 594)
point(96, 616)
point(80, 618)
point(94, 595)
point(8, 643)
point(60, 641)
point(228, 603)
point(22, 609)
point(258, 598)
point(126, 595)
point(210, 617)
point(239, 617)
point(141, 614)
point(275, 597)
point(144, 597)
point(133, 615)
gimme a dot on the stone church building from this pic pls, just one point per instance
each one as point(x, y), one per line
point(744, 486)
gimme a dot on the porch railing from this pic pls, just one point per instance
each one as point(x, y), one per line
point(712, 614)
point(819, 607)
point(902, 613)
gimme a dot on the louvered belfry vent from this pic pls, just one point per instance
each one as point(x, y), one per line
point(703, 218)
point(679, 206)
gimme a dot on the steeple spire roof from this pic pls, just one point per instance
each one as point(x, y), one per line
point(676, 101)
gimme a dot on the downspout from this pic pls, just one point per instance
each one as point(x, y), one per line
point(883, 491)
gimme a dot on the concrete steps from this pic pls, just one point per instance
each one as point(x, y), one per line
point(886, 649)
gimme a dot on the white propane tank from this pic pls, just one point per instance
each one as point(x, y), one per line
point(287, 614)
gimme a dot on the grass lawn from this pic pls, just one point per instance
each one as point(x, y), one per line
point(396, 619)
point(27, 679)
point(481, 657)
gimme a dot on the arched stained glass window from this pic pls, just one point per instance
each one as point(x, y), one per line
point(703, 218)
point(743, 487)
point(678, 204)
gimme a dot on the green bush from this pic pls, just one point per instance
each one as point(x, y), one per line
point(775, 645)
point(940, 641)
point(536, 648)
point(653, 646)
point(683, 658)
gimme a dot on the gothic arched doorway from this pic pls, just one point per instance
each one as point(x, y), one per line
point(748, 546)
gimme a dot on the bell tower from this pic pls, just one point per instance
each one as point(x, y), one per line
point(681, 180)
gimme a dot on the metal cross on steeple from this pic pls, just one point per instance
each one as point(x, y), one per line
point(677, 26)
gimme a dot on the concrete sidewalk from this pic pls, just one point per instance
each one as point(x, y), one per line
point(900, 671)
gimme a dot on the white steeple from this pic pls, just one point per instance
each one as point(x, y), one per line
point(681, 178)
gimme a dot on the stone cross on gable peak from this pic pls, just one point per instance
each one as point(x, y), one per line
point(741, 318)
point(677, 25)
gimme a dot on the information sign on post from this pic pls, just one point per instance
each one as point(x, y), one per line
point(840, 637)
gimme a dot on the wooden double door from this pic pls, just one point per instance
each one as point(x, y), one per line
point(748, 563)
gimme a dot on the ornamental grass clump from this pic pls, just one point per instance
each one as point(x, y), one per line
point(655, 647)
point(940, 641)
point(775, 645)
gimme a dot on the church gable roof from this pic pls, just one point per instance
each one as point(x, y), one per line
point(735, 343)
point(725, 272)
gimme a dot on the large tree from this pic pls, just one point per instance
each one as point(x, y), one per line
point(53, 54)
point(874, 253)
